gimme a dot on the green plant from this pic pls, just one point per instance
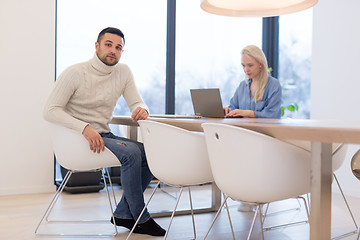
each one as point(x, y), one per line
point(293, 107)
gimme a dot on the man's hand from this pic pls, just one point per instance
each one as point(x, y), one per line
point(139, 114)
point(95, 140)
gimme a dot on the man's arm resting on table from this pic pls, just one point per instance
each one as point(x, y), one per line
point(139, 114)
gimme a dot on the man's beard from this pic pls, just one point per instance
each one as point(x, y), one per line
point(106, 62)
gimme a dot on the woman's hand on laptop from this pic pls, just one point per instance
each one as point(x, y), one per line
point(226, 111)
point(241, 113)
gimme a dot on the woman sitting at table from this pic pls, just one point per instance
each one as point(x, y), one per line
point(258, 96)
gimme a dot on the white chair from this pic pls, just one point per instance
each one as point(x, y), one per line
point(72, 152)
point(338, 158)
point(355, 168)
point(251, 167)
point(176, 157)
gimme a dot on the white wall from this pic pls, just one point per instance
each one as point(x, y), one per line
point(335, 81)
point(27, 60)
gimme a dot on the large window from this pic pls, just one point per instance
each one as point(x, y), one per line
point(144, 25)
point(207, 48)
point(208, 51)
point(295, 38)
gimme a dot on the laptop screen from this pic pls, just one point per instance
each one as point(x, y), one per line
point(207, 102)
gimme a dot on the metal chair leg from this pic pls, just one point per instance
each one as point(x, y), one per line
point(54, 200)
point(111, 186)
point(290, 224)
point(351, 214)
point(192, 213)
point(108, 194)
point(253, 221)
point(142, 212)
point(261, 222)
point(216, 216)
point(230, 222)
point(52, 204)
point(173, 213)
point(265, 213)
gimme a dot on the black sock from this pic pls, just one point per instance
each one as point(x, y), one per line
point(128, 223)
point(150, 227)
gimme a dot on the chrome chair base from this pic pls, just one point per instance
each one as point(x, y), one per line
point(54, 200)
point(355, 231)
point(350, 212)
point(172, 215)
point(173, 212)
point(288, 224)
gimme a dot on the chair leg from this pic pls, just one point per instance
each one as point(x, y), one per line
point(111, 186)
point(261, 222)
point(54, 200)
point(253, 221)
point(230, 222)
point(289, 224)
point(109, 198)
point(52, 204)
point(216, 216)
point(192, 213)
point(348, 208)
point(307, 208)
point(265, 213)
point(173, 213)
point(266, 210)
point(142, 212)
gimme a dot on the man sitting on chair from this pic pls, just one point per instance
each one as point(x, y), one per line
point(84, 98)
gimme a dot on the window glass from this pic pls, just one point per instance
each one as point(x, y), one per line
point(208, 50)
point(144, 25)
point(295, 37)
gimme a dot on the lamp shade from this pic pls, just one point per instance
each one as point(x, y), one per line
point(255, 8)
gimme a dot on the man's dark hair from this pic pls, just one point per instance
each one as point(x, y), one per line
point(112, 31)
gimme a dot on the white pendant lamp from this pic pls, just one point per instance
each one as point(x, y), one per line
point(255, 8)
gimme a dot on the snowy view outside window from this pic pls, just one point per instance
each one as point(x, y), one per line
point(207, 48)
point(295, 41)
point(208, 52)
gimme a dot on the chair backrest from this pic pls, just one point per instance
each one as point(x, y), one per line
point(355, 164)
point(175, 156)
point(339, 151)
point(72, 151)
point(249, 166)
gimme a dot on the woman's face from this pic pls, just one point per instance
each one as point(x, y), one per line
point(251, 67)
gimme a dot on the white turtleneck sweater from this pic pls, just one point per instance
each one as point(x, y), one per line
point(86, 93)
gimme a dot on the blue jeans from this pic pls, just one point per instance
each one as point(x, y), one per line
point(135, 176)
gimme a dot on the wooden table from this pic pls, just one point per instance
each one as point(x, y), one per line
point(321, 134)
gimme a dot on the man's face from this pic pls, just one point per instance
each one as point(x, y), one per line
point(109, 49)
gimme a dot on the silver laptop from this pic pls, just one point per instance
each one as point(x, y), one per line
point(207, 102)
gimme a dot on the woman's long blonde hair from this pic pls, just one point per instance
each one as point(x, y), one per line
point(258, 54)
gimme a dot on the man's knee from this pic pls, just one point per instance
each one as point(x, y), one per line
point(131, 153)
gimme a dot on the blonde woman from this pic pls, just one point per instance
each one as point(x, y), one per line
point(259, 96)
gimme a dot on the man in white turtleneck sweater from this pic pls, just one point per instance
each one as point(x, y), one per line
point(83, 99)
